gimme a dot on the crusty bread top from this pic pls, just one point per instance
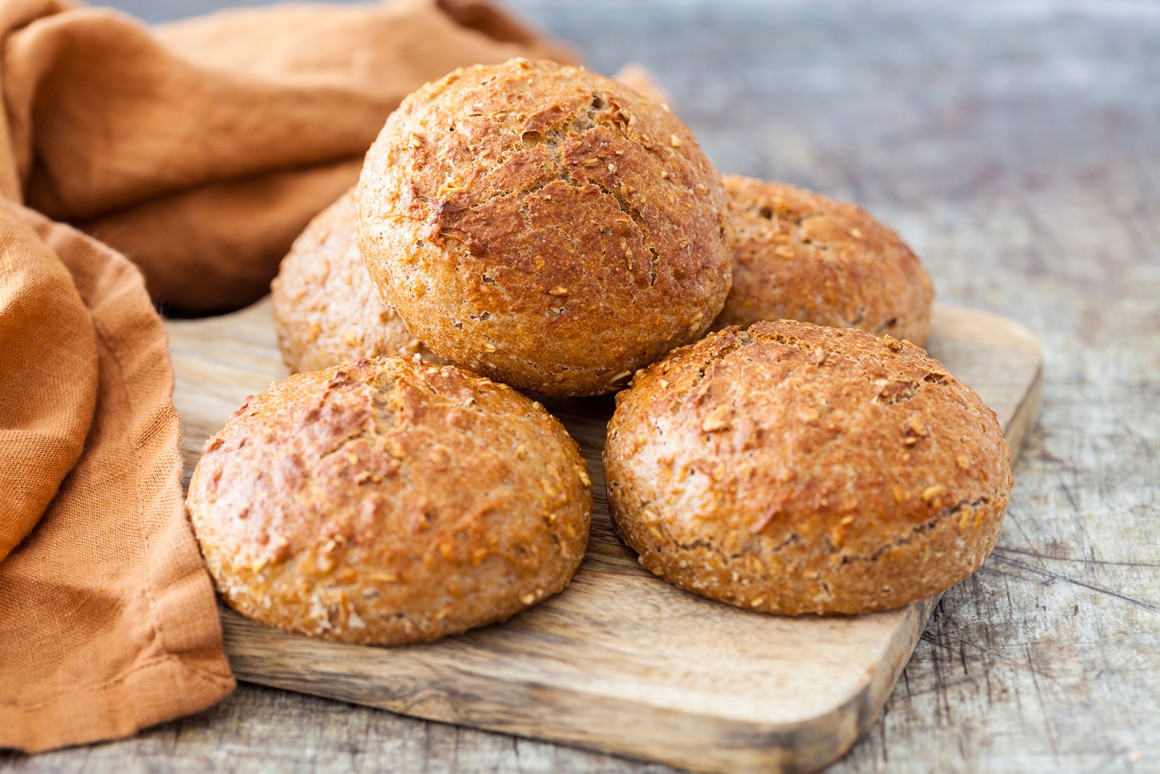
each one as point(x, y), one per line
point(802, 256)
point(854, 469)
point(326, 310)
point(544, 225)
point(389, 501)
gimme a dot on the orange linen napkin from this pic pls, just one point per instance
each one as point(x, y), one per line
point(198, 150)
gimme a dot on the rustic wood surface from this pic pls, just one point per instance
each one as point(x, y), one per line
point(613, 663)
point(1016, 146)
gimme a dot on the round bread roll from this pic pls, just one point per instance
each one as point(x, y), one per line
point(326, 310)
point(801, 256)
point(544, 225)
point(388, 501)
point(794, 468)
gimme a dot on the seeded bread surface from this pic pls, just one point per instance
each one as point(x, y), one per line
point(388, 501)
point(794, 468)
point(326, 310)
point(544, 225)
point(802, 256)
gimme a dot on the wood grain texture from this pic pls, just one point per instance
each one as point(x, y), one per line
point(1016, 146)
point(621, 661)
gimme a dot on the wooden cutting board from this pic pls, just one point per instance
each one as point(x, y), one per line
point(621, 661)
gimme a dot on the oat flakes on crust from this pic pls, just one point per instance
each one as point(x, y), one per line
point(389, 501)
point(802, 256)
point(793, 468)
point(544, 225)
point(326, 310)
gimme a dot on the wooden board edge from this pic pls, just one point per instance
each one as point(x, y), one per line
point(681, 738)
point(1025, 416)
point(863, 710)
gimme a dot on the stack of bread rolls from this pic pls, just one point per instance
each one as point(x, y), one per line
point(540, 228)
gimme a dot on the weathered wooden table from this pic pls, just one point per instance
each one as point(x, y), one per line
point(1016, 146)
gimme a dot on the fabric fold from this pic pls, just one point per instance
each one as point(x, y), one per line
point(49, 385)
point(109, 621)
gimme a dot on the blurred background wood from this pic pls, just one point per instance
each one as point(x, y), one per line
point(1016, 146)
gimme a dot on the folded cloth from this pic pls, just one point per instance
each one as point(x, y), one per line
point(198, 150)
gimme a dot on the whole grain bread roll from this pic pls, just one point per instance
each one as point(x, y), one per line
point(388, 501)
point(326, 310)
point(802, 256)
point(794, 468)
point(544, 225)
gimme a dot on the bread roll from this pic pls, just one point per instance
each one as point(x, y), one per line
point(326, 311)
point(802, 256)
point(544, 225)
point(794, 468)
point(388, 501)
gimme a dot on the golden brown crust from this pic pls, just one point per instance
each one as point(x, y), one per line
point(389, 501)
point(544, 225)
point(801, 256)
point(794, 468)
point(326, 310)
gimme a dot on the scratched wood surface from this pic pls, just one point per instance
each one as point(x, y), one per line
point(1016, 146)
point(616, 662)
